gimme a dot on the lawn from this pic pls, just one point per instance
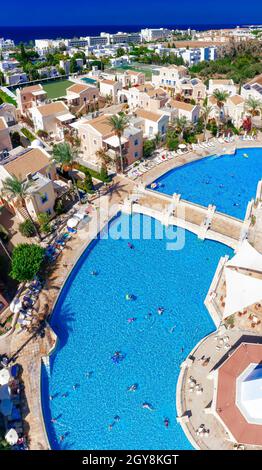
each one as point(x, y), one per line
point(5, 98)
point(56, 89)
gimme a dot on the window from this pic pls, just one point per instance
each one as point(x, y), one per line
point(95, 142)
point(136, 142)
point(136, 154)
point(44, 198)
point(84, 136)
point(163, 129)
point(48, 211)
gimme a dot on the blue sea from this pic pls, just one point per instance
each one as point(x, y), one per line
point(29, 33)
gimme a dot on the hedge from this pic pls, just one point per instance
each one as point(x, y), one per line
point(7, 99)
point(93, 173)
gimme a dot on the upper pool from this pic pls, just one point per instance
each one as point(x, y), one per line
point(91, 321)
point(228, 181)
point(91, 81)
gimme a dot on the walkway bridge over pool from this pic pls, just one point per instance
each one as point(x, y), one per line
point(205, 222)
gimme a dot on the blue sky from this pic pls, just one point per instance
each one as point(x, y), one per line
point(89, 12)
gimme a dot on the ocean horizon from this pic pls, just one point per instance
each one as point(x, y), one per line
point(29, 33)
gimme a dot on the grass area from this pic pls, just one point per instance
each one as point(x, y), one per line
point(57, 88)
point(4, 98)
point(28, 134)
point(146, 71)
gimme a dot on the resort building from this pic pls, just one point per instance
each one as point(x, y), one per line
point(222, 85)
point(168, 76)
point(144, 96)
point(81, 98)
point(154, 34)
point(52, 118)
point(35, 166)
point(29, 97)
point(234, 109)
point(96, 134)
point(182, 109)
point(237, 394)
point(131, 78)
point(253, 89)
point(15, 78)
point(8, 112)
point(5, 140)
point(191, 89)
point(109, 89)
point(151, 123)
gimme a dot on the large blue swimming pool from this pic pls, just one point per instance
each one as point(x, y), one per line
point(91, 320)
point(228, 181)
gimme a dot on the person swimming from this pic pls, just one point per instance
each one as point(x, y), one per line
point(118, 357)
point(117, 419)
point(129, 297)
point(131, 246)
point(94, 273)
point(166, 422)
point(160, 310)
point(132, 388)
point(131, 320)
point(172, 329)
point(148, 406)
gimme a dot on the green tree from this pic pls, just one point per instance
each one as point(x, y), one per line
point(73, 65)
point(120, 52)
point(26, 261)
point(172, 141)
point(253, 105)
point(220, 96)
point(181, 125)
point(88, 182)
point(15, 139)
point(15, 188)
point(119, 122)
point(206, 110)
point(64, 155)
point(148, 148)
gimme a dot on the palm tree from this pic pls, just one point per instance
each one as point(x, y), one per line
point(103, 157)
point(158, 139)
point(64, 155)
point(119, 122)
point(253, 105)
point(206, 110)
point(220, 96)
point(181, 124)
point(14, 187)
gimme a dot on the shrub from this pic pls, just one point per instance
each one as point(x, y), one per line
point(93, 173)
point(27, 260)
point(44, 222)
point(104, 173)
point(148, 148)
point(15, 139)
point(27, 228)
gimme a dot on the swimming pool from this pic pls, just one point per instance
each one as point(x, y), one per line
point(91, 321)
point(228, 181)
point(91, 81)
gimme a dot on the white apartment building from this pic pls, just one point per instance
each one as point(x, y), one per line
point(153, 34)
point(8, 65)
point(168, 76)
point(195, 55)
point(222, 85)
point(253, 89)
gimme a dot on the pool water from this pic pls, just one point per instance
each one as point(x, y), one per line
point(91, 321)
point(228, 181)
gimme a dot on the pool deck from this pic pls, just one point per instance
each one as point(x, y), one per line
point(29, 350)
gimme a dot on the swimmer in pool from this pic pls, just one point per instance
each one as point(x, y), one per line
point(160, 310)
point(131, 320)
point(132, 388)
point(147, 406)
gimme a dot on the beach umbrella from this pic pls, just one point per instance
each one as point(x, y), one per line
point(72, 222)
point(182, 146)
point(11, 437)
point(15, 305)
point(5, 376)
